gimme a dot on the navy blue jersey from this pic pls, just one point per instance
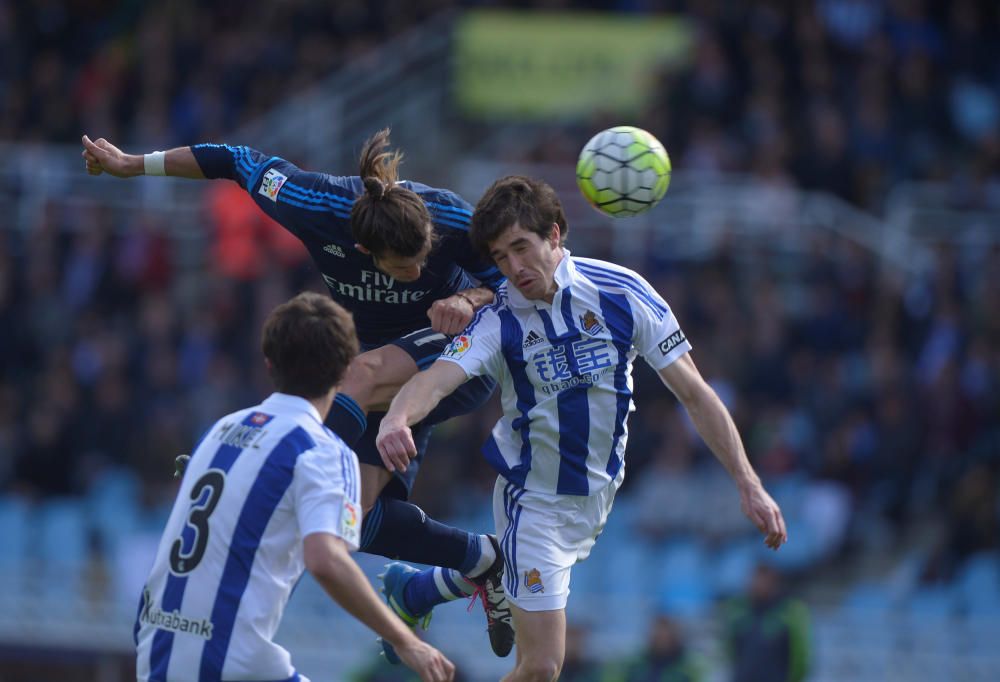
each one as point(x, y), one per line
point(316, 208)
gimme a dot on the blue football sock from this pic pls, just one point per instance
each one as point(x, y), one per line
point(347, 419)
point(435, 586)
point(400, 530)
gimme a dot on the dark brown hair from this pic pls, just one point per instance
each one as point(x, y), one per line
point(530, 203)
point(310, 341)
point(388, 218)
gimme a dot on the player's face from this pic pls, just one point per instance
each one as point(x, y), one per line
point(402, 268)
point(528, 260)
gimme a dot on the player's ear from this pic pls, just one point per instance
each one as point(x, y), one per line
point(362, 249)
point(553, 238)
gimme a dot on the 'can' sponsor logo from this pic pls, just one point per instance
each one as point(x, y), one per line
point(672, 341)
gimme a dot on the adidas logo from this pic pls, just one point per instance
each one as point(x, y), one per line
point(335, 250)
point(532, 339)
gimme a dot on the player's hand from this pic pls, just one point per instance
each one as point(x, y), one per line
point(451, 315)
point(103, 157)
point(426, 661)
point(395, 445)
point(765, 514)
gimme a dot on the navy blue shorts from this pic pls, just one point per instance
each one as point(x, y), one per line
point(424, 346)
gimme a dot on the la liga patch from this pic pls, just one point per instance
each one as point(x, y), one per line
point(458, 347)
point(350, 523)
point(271, 184)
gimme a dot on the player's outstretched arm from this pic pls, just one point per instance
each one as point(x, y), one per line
point(716, 427)
point(415, 400)
point(327, 558)
point(103, 157)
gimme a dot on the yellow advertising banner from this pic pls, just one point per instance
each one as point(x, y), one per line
point(532, 65)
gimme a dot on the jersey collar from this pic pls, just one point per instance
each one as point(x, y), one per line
point(284, 402)
point(565, 274)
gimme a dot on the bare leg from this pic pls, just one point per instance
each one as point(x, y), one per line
point(372, 380)
point(541, 645)
point(374, 377)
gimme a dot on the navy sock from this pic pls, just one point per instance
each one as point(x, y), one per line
point(400, 530)
point(347, 419)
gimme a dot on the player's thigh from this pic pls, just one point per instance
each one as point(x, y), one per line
point(541, 644)
point(373, 479)
point(374, 377)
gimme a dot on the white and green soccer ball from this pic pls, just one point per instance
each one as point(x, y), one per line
point(623, 171)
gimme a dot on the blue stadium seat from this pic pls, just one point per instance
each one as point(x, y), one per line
point(978, 584)
point(113, 507)
point(62, 532)
point(733, 567)
point(61, 547)
point(869, 602)
point(14, 529)
point(685, 588)
point(931, 603)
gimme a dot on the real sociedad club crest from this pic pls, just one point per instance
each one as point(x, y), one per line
point(533, 581)
point(590, 323)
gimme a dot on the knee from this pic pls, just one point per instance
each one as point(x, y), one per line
point(541, 669)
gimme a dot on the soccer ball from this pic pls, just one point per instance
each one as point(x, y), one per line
point(623, 171)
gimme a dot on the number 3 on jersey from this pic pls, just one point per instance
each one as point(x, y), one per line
point(183, 562)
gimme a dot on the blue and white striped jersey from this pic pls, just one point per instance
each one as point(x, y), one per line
point(316, 208)
point(260, 481)
point(565, 372)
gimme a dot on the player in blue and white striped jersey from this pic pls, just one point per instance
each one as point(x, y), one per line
point(268, 492)
point(561, 339)
point(398, 256)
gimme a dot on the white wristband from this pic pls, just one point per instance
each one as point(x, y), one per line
point(154, 163)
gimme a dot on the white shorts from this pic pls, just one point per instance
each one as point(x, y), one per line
point(542, 535)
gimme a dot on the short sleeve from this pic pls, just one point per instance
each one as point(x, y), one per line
point(326, 489)
point(312, 206)
point(477, 350)
point(658, 335)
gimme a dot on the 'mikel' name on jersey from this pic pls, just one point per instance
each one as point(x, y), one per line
point(316, 208)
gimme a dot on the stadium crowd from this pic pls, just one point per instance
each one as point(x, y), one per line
point(840, 95)
point(869, 396)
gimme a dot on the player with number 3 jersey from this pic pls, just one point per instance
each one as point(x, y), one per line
point(268, 492)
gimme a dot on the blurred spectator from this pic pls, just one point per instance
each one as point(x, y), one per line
point(767, 632)
point(665, 658)
point(973, 524)
point(578, 666)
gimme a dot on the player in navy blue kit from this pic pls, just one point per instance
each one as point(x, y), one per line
point(397, 255)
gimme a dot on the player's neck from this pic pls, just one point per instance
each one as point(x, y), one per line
point(323, 403)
